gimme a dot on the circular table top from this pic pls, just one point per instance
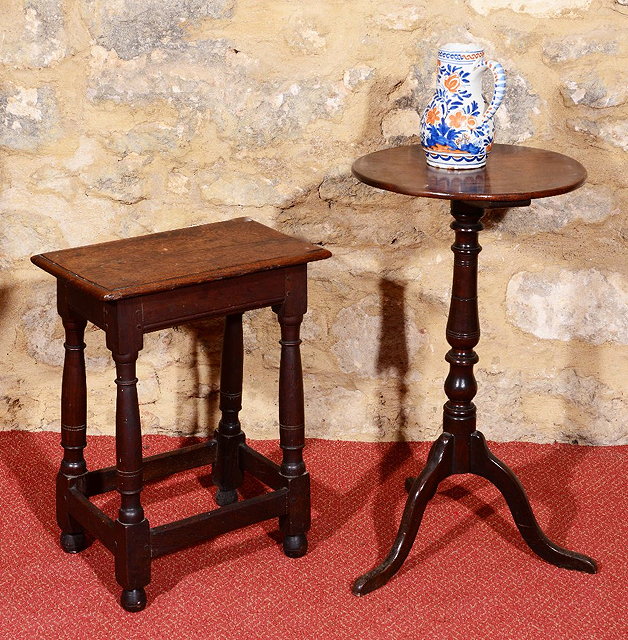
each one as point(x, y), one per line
point(511, 174)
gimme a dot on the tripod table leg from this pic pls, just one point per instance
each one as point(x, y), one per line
point(485, 464)
point(438, 467)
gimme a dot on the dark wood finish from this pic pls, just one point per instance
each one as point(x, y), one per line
point(154, 467)
point(484, 463)
point(262, 468)
point(461, 448)
point(227, 474)
point(296, 522)
point(512, 174)
point(217, 298)
point(131, 287)
point(463, 330)
point(421, 490)
point(178, 258)
point(73, 428)
point(132, 535)
point(99, 524)
point(190, 531)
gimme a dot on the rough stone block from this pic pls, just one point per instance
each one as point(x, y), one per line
point(217, 82)
point(550, 405)
point(406, 17)
point(588, 204)
point(33, 33)
point(573, 47)
point(610, 131)
point(514, 119)
point(544, 8)
point(133, 28)
point(357, 75)
point(305, 36)
point(250, 191)
point(340, 187)
point(393, 337)
point(23, 232)
point(585, 305)
point(28, 117)
point(594, 87)
point(401, 124)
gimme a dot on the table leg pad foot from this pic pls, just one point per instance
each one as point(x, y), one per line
point(223, 498)
point(73, 542)
point(485, 464)
point(133, 600)
point(295, 546)
point(368, 582)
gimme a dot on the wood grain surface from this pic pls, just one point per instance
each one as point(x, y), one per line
point(171, 259)
point(512, 174)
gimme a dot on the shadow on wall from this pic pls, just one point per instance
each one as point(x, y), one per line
point(392, 355)
point(203, 388)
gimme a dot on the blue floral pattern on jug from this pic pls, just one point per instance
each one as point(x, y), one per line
point(457, 128)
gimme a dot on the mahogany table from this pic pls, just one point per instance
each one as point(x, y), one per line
point(512, 177)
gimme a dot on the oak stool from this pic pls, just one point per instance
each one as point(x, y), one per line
point(138, 285)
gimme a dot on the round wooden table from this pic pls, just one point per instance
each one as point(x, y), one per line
point(513, 176)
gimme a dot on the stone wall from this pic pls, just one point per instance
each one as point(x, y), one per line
point(124, 117)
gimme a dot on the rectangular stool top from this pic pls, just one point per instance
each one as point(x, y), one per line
point(172, 259)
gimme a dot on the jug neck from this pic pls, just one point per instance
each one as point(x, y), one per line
point(469, 66)
point(464, 55)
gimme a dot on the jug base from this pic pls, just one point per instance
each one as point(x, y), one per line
point(444, 160)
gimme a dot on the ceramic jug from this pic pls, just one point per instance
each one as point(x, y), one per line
point(457, 127)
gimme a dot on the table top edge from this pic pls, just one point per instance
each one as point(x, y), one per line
point(131, 291)
point(505, 196)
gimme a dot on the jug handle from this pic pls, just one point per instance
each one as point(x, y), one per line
point(500, 89)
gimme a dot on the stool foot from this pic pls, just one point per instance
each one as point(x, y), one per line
point(73, 542)
point(295, 546)
point(223, 498)
point(133, 600)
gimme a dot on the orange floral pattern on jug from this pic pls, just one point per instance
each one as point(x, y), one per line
point(452, 83)
point(433, 115)
point(457, 119)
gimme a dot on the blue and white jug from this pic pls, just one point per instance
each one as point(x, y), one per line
point(457, 127)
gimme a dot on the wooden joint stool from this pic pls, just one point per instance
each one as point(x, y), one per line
point(134, 286)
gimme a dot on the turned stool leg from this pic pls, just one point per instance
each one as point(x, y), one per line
point(227, 474)
point(73, 428)
point(296, 523)
point(133, 532)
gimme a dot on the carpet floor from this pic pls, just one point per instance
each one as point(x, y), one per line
point(469, 575)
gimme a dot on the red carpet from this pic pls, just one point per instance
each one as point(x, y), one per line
point(469, 575)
